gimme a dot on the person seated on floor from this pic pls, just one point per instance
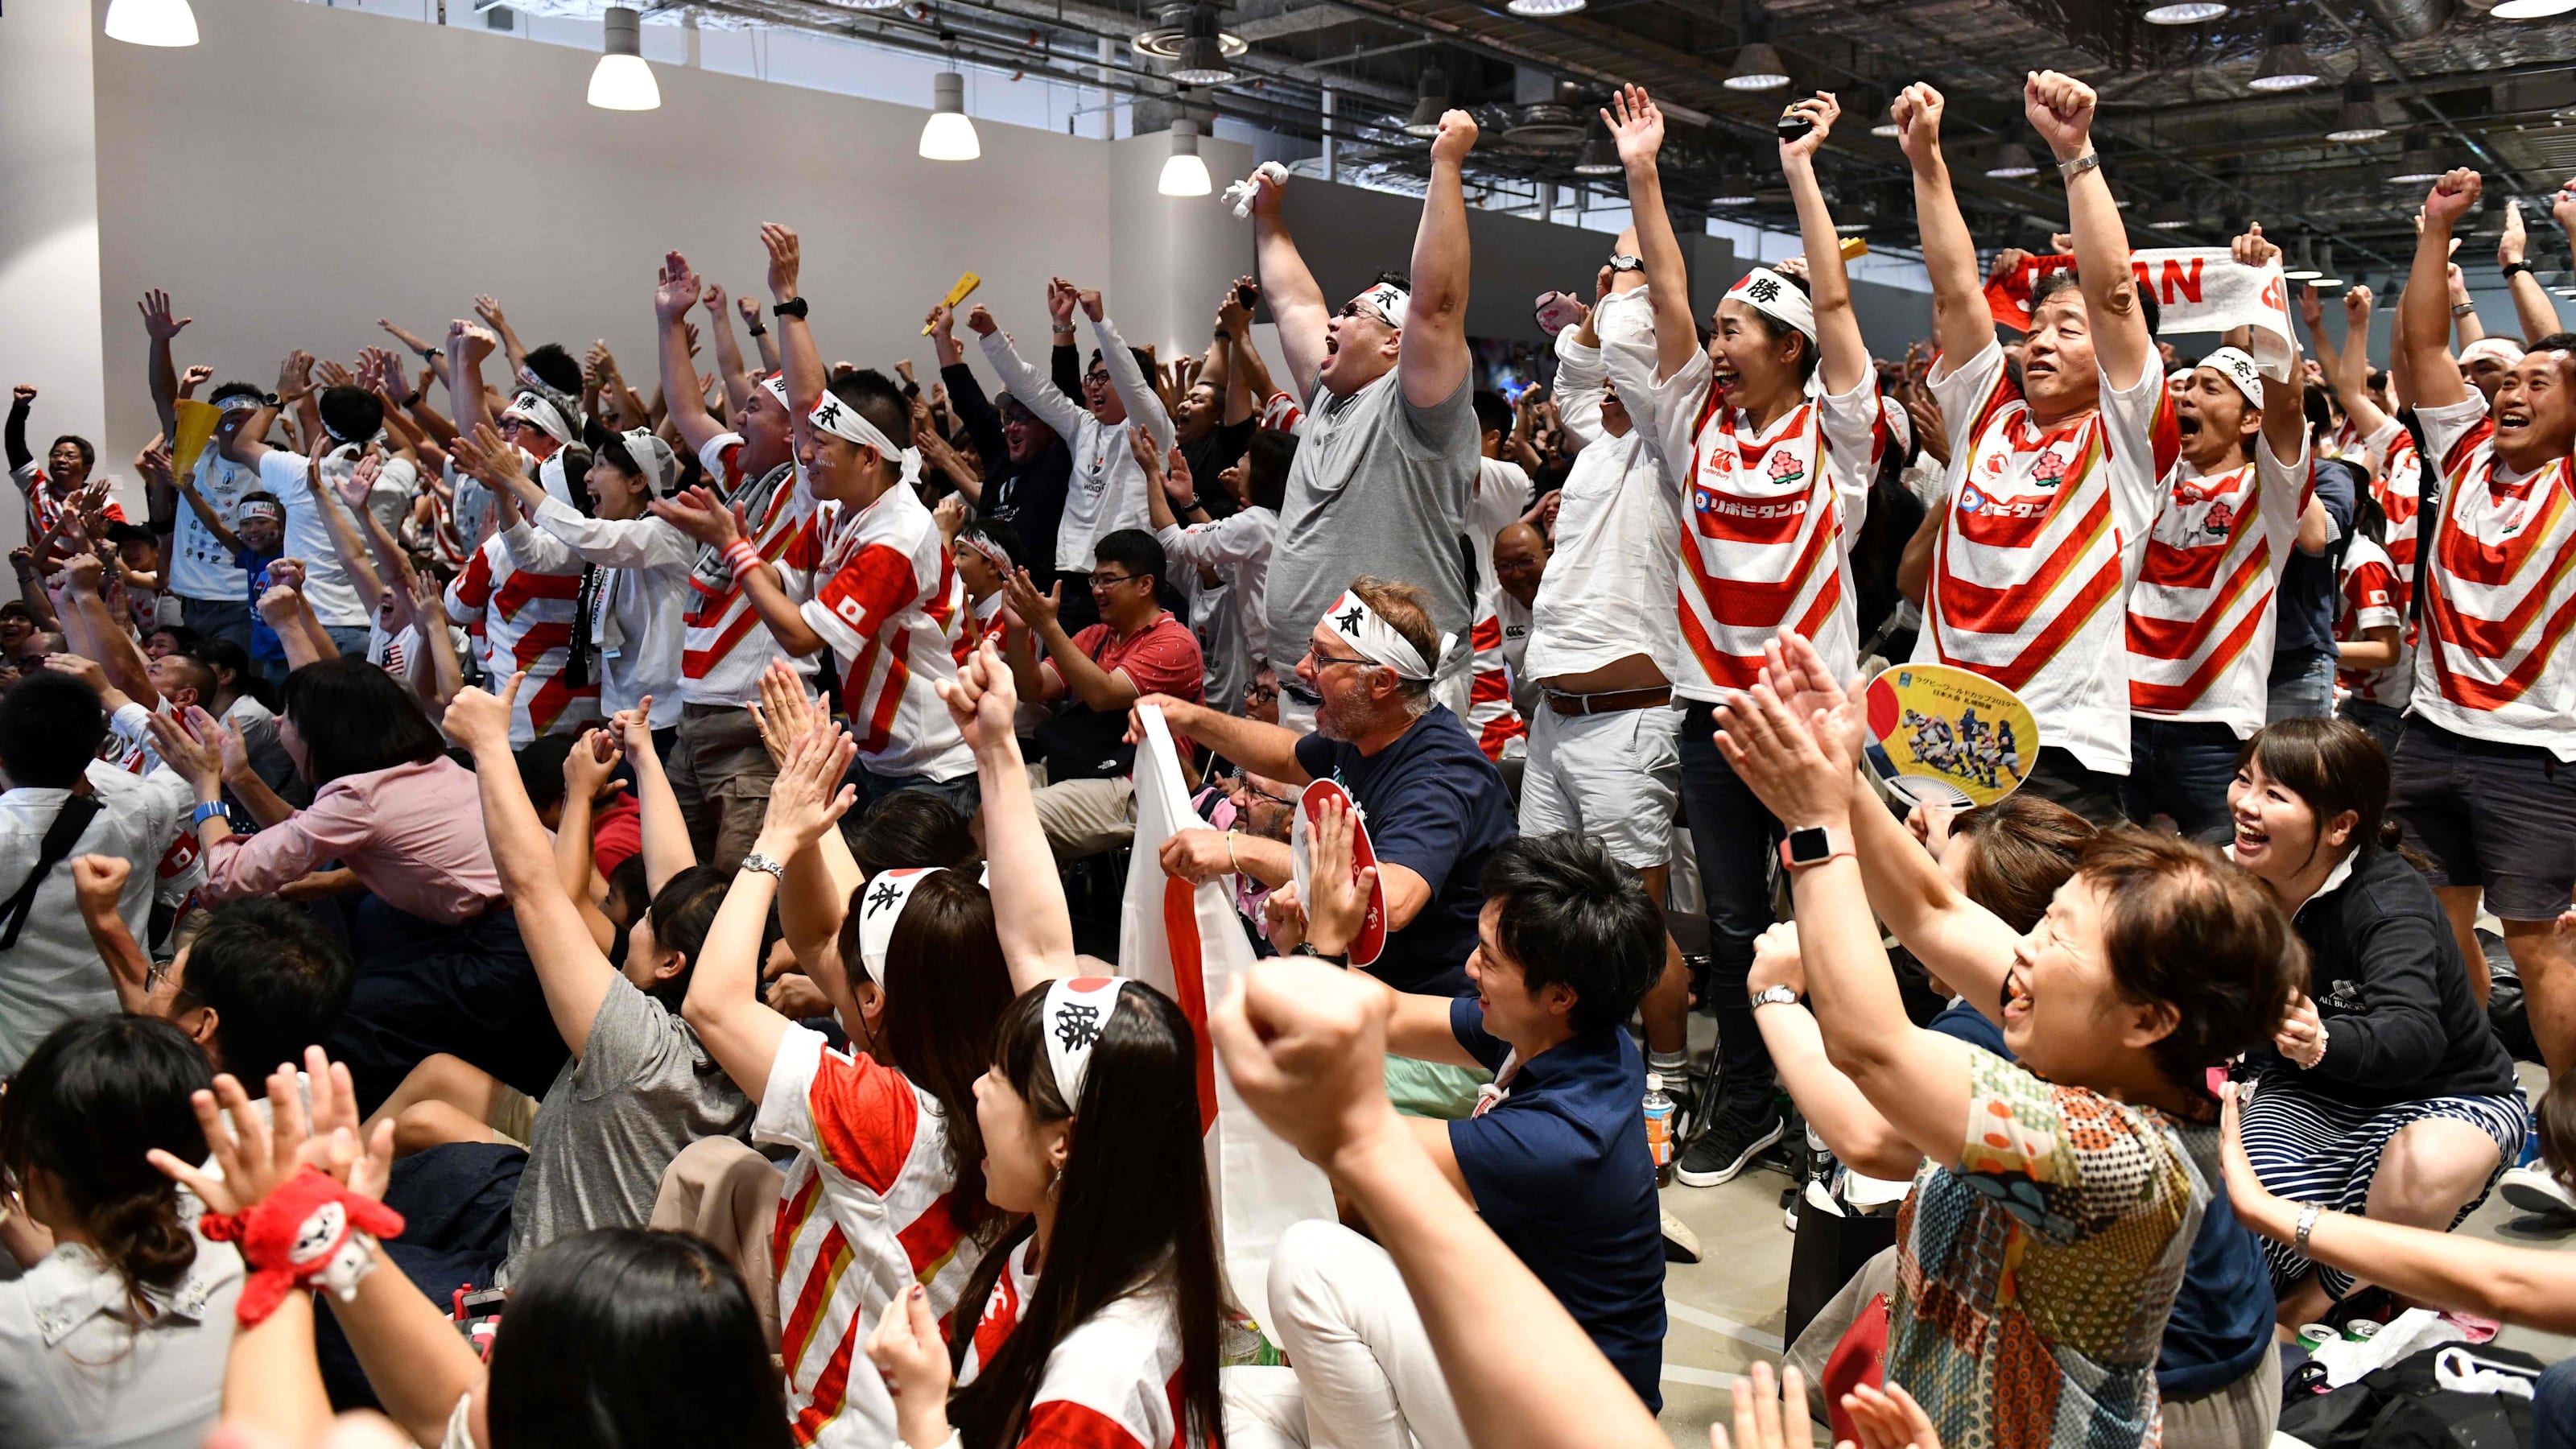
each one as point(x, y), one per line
point(115, 1313)
point(616, 1337)
point(1435, 808)
point(2215, 1369)
point(1138, 648)
point(2385, 1091)
point(1554, 1158)
point(2062, 1191)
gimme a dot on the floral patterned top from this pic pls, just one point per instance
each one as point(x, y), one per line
point(2034, 1279)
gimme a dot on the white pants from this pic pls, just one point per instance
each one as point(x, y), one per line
point(1365, 1377)
point(1612, 776)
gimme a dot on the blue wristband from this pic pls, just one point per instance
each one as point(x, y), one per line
point(207, 810)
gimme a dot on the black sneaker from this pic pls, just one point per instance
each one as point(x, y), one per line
point(1732, 1138)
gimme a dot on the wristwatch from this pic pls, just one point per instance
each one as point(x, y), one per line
point(2075, 166)
point(792, 307)
point(775, 870)
point(1812, 845)
point(759, 331)
point(2510, 268)
point(1772, 996)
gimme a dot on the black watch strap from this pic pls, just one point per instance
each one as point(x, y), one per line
point(792, 307)
point(2510, 268)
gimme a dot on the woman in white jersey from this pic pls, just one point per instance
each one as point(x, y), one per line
point(1099, 1322)
point(1773, 483)
point(886, 1191)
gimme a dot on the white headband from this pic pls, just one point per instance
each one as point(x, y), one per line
point(242, 402)
point(1390, 301)
point(535, 408)
point(843, 421)
point(881, 903)
point(2239, 368)
point(989, 551)
point(1377, 640)
point(653, 457)
point(1077, 1007)
point(776, 382)
point(1776, 297)
point(2502, 349)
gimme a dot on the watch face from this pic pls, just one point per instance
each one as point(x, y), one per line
point(1810, 846)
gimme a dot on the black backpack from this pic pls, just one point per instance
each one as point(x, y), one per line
point(2402, 1406)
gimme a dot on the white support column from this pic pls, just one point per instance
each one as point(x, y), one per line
point(1108, 97)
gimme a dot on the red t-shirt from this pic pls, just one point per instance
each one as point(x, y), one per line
point(616, 833)
point(1161, 658)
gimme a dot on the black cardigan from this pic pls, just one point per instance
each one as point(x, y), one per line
point(2385, 972)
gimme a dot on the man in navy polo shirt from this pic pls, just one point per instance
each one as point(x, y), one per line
point(1554, 1158)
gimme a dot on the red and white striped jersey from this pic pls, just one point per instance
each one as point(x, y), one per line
point(889, 602)
point(526, 618)
point(2043, 533)
point(865, 1213)
point(2371, 591)
point(1491, 716)
point(1768, 518)
point(2493, 661)
point(2200, 613)
point(1280, 413)
point(985, 623)
point(727, 647)
point(2397, 486)
point(1114, 1382)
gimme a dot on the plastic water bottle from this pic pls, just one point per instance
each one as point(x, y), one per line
point(1659, 1127)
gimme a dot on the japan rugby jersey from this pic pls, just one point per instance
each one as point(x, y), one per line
point(2200, 613)
point(2492, 660)
point(2371, 591)
point(1114, 1382)
point(888, 600)
point(526, 619)
point(1768, 518)
point(726, 646)
point(866, 1211)
point(2397, 486)
point(2043, 531)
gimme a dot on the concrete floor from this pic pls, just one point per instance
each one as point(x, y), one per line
point(1726, 1309)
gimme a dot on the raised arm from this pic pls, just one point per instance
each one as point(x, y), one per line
point(814, 894)
point(1029, 911)
point(667, 850)
point(2285, 403)
point(488, 308)
point(2435, 372)
point(1297, 305)
point(2531, 304)
point(1431, 356)
point(1637, 127)
point(1843, 355)
point(674, 294)
point(161, 372)
point(729, 369)
point(2061, 109)
point(1858, 1133)
point(1029, 387)
point(2348, 369)
point(1961, 322)
point(1144, 404)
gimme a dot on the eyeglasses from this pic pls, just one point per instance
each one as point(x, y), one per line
point(1323, 659)
point(1107, 581)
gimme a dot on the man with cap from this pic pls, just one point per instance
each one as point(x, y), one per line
point(1435, 808)
point(871, 580)
point(1387, 449)
point(2201, 616)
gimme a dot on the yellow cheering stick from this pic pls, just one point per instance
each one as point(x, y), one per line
point(967, 282)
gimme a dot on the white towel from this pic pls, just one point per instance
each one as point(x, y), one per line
point(2204, 289)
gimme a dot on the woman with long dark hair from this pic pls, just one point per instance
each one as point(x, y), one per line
point(2385, 1092)
point(114, 1328)
point(440, 964)
point(1099, 1319)
point(885, 1194)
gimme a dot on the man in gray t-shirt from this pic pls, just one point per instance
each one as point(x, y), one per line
point(1387, 451)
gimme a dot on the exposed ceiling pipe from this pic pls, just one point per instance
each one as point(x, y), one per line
point(2409, 19)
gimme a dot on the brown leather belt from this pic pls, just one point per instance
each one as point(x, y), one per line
point(1611, 703)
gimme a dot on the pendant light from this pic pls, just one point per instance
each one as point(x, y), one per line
point(151, 22)
point(622, 81)
point(1184, 174)
point(948, 135)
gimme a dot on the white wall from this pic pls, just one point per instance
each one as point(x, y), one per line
point(49, 275)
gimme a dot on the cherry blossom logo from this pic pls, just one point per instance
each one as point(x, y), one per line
point(2220, 518)
point(1785, 468)
point(2049, 469)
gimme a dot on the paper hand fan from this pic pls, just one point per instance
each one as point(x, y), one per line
point(1940, 735)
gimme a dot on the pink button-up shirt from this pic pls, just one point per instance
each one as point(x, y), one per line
point(412, 834)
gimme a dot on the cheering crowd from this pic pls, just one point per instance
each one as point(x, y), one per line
point(571, 917)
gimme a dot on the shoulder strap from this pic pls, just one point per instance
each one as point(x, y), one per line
point(69, 824)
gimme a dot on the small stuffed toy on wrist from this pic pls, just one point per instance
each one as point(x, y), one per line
point(311, 1231)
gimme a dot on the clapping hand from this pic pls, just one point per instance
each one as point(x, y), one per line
point(785, 713)
point(808, 798)
point(255, 1157)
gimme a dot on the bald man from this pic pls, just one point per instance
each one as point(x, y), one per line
point(1520, 561)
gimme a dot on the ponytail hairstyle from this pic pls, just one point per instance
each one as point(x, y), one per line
point(1132, 1205)
point(90, 1101)
point(946, 987)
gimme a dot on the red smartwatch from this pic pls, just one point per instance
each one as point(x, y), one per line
point(1812, 845)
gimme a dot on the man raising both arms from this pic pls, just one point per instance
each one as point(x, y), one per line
point(1770, 488)
point(2485, 775)
point(2054, 483)
point(1388, 446)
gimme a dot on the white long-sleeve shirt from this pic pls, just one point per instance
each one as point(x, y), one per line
point(635, 619)
point(1608, 592)
point(1107, 490)
point(1237, 547)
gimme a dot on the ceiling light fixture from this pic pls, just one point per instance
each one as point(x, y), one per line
point(2360, 118)
point(948, 135)
point(1543, 9)
point(2286, 66)
point(2299, 263)
point(2531, 9)
point(152, 22)
point(2325, 277)
point(2171, 216)
point(1432, 104)
point(2418, 164)
point(622, 81)
point(2187, 12)
point(1178, 40)
point(1600, 155)
point(1185, 174)
point(1734, 186)
point(2011, 162)
point(1758, 66)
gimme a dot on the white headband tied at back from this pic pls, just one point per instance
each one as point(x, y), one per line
point(881, 903)
point(1377, 640)
point(1776, 297)
point(2238, 367)
point(1077, 1007)
point(536, 408)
